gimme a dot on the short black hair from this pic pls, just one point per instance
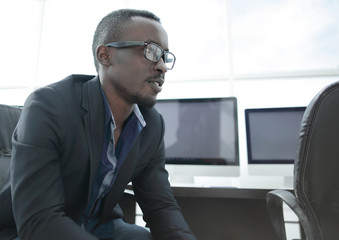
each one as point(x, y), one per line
point(111, 26)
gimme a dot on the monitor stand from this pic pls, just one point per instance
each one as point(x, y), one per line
point(204, 181)
point(288, 182)
point(181, 181)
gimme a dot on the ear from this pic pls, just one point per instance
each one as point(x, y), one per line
point(103, 55)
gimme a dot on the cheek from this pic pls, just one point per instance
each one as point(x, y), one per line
point(121, 58)
point(134, 77)
point(137, 70)
point(132, 65)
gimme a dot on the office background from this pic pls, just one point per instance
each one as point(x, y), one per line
point(266, 53)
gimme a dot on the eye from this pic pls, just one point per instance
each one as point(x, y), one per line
point(158, 52)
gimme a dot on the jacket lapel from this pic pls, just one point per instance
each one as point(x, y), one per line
point(122, 179)
point(94, 125)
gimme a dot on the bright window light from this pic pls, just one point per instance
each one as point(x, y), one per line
point(20, 22)
point(285, 35)
point(43, 41)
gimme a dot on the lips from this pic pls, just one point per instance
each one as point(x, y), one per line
point(156, 84)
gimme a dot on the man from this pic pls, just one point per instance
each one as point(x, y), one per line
point(80, 141)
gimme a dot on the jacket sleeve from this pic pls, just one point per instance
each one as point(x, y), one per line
point(36, 179)
point(154, 195)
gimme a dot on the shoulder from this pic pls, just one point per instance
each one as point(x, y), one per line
point(57, 99)
point(72, 83)
point(63, 91)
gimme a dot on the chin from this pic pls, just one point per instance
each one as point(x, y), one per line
point(146, 102)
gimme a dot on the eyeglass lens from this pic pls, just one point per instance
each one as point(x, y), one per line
point(154, 53)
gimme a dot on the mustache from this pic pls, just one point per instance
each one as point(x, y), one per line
point(157, 76)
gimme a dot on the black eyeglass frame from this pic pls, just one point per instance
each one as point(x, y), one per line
point(124, 44)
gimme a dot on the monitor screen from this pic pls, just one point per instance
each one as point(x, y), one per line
point(272, 134)
point(200, 133)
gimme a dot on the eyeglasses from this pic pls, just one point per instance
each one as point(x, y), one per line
point(152, 51)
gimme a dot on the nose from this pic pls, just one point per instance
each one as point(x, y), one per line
point(160, 66)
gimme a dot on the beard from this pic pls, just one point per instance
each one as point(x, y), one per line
point(143, 97)
point(145, 101)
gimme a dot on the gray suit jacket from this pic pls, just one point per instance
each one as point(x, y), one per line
point(56, 153)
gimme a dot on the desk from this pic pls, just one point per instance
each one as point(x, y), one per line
point(226, 213)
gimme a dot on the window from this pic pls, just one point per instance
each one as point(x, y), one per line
point(285, 36)
point(216, 40)
point(20, 22)
point(196, 30)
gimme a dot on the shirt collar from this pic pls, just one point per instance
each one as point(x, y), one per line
point(109, 115)
point(139, 115)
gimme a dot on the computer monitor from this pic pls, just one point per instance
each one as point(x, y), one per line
point(272, 136)
point(201, 138)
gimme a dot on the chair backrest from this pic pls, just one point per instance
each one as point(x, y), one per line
point(9, 116)
point(316, 170)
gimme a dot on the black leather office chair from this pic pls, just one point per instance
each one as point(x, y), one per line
point(9, 116)
point(316, 172)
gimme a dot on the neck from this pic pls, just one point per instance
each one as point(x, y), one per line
point(119, 108)
point(120, 114)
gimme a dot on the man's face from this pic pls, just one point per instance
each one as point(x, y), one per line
point(134, 78)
